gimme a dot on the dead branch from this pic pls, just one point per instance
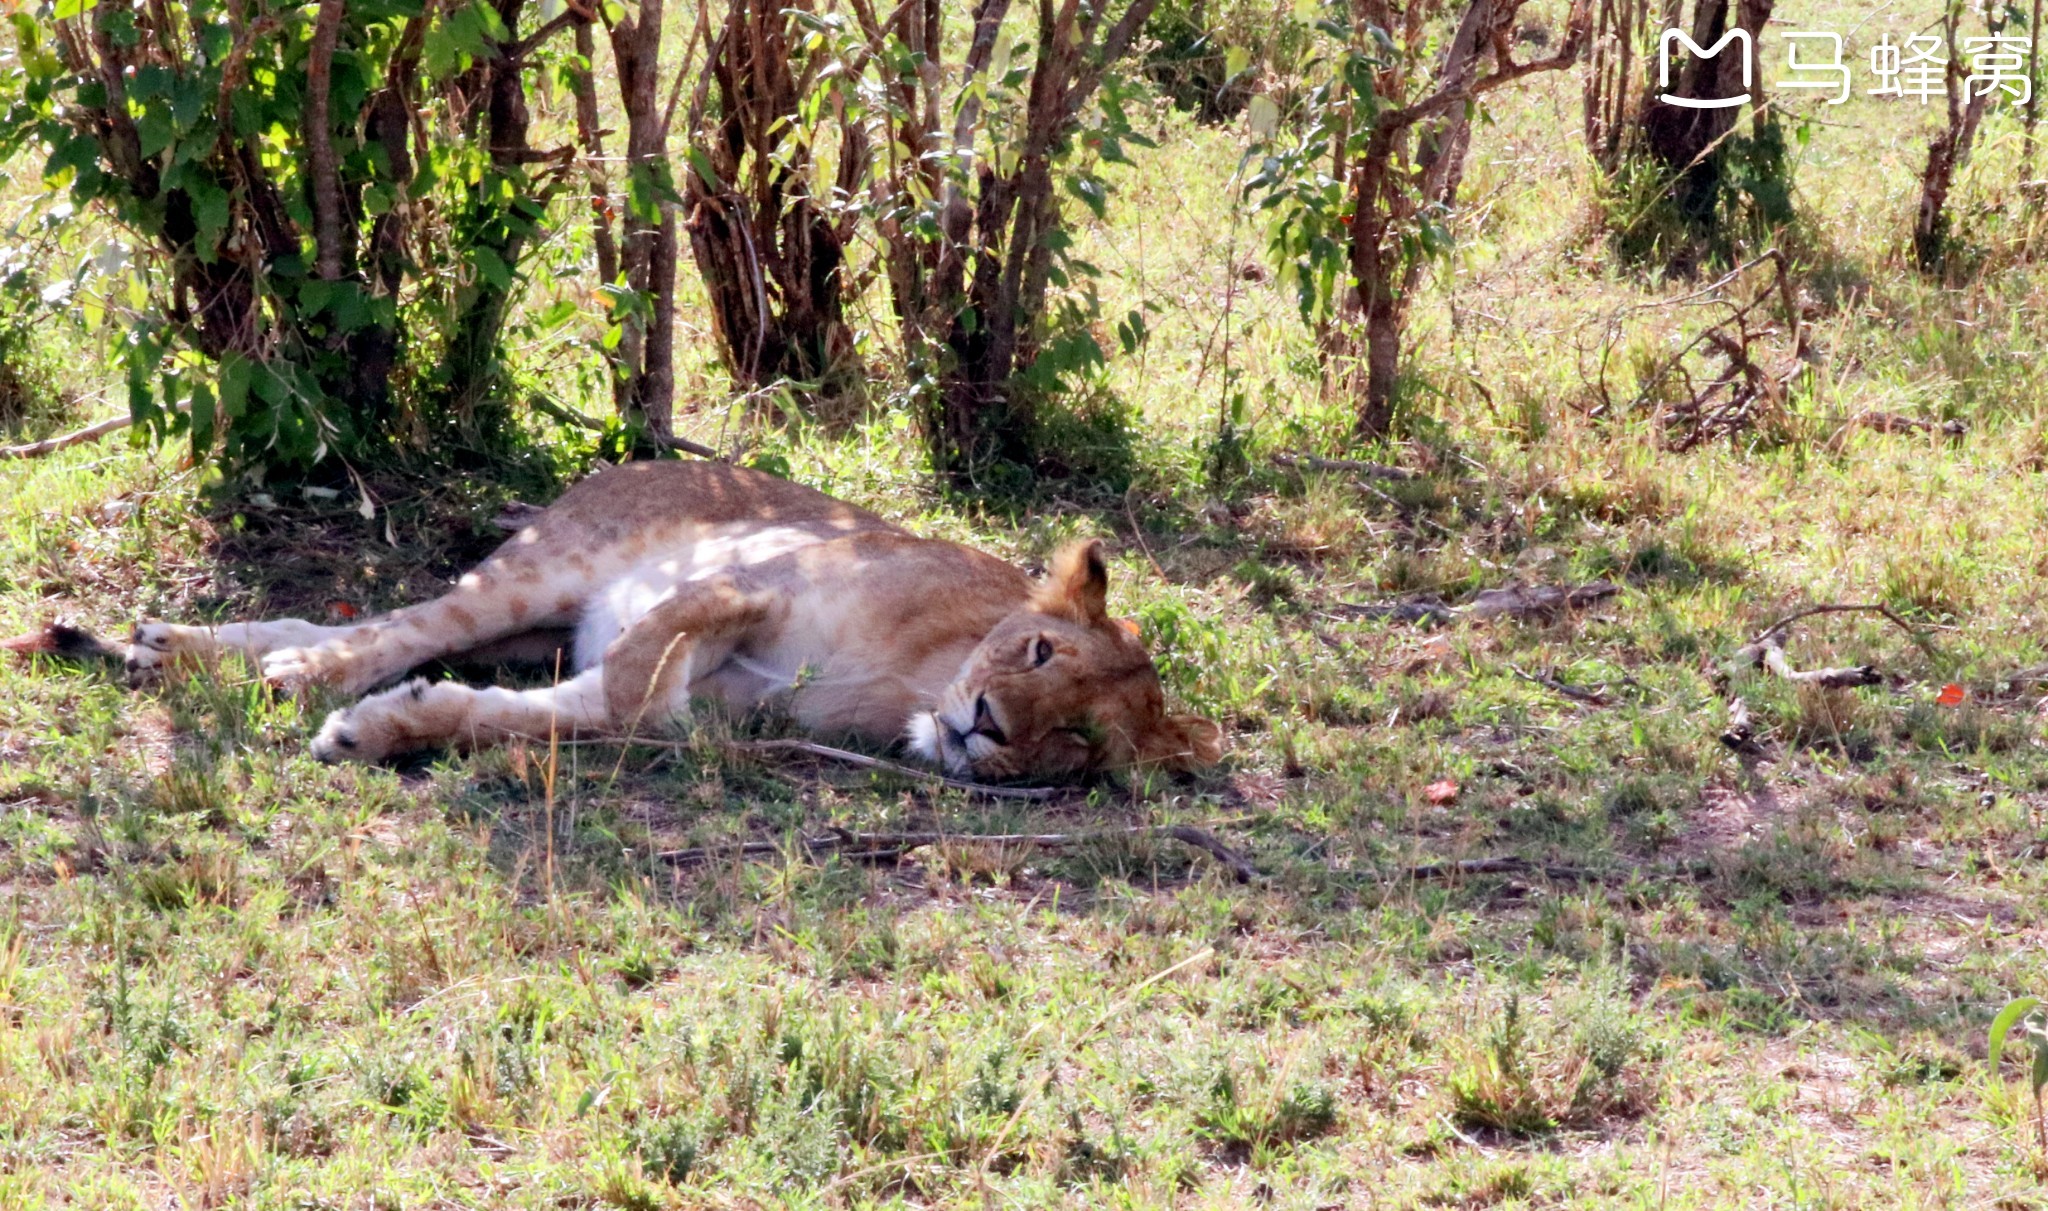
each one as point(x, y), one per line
point(50, 445)
point(1740, 735)
point(1519, 602)
point(60, 639)
point(843, 756)
point(1309, 462)
point(548, 407)
point(883, 846)
point(1827, 679)
point(1497, 866)
point(1778, 627)
point(1538, 601)
point(826, 751)
point(1768, 652)
point(1573, 692)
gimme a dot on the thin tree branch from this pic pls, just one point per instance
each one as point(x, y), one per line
point(875, 846)
point(1778, 627)
point(542, 404)
point(50, 445)
point(571, 13)
point(1309, 462)
point(1458, 91)
point(1497, 866)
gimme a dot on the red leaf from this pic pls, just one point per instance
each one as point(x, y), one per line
point(1442, 792)
point(1951, 695)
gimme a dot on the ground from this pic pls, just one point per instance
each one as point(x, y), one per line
point(232, 976)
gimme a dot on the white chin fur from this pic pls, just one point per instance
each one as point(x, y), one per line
point(923, 736)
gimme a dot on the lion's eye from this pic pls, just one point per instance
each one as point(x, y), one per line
point(1041, 651)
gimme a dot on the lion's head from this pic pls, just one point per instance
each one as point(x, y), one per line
point(1060, 687)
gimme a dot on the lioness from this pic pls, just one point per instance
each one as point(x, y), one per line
point(700, 579)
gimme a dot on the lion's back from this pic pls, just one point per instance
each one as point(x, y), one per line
point(643, 497)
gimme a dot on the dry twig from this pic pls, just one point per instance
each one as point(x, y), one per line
point(1778, 627)
point(881, 846)
point(1497, 866)
point(1309, 462)
point(1573, 692)
point(50, 445)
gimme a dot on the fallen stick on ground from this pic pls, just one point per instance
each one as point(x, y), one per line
point(1309, 462)
point(60, 639)
point(1574, 692)
point(864, 761)
point(1739, 735)
point(876, 846)
point(1033, 793)
point(50, 445)
point(1498, 866)
point(1772, 654)
point(1517, 601)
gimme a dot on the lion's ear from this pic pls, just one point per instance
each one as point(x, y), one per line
point(1077, 584)
point(1185, 742)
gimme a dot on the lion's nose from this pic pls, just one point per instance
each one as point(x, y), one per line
point(985, 721)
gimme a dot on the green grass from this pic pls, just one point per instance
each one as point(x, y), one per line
point(232, 977)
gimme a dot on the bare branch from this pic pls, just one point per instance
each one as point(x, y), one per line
point(1459, 90)
point(1778, 627)
point(892, 845)
point(50, 445)
point(1309, 462)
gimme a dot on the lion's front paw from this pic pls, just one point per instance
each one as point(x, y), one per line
point(412, 716)
point(324, 664)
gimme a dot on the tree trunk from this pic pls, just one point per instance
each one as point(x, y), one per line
point(769, 254)
point(972, 300)
point(1390, 189)
point(1688, 142)
point(644, 361)
point(1948, 151)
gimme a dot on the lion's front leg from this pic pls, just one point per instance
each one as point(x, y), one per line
point(644, 678)
point(648, 670)
point(423, 715)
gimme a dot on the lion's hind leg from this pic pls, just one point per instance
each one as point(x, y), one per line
point(486, 606)
point(157, 646)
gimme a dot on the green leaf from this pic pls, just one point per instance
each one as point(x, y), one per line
point(701, 163)
point(492, 267)
point(554, 317)
point(1091, 191)
point(67, 9)
point(235, 372)
point(2002, 1025)
point(210, 211)
point(202, 421)
point(154, 131)
point(1264, 116)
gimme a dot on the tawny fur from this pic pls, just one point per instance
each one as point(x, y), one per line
point(697, 580)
